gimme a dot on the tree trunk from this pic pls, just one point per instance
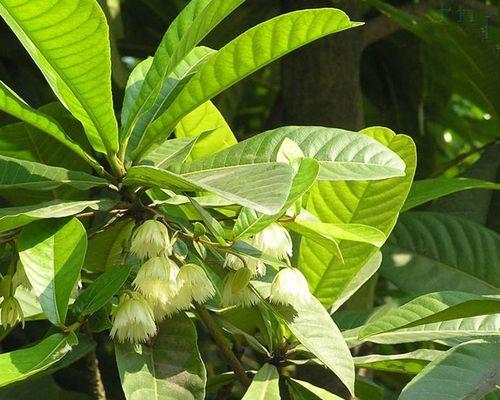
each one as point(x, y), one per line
point(320, 83)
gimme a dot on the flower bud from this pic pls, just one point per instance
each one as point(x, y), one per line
point(11, 312)
point(157, 280)
point(237, 291)
point(274, 240)
point(290, 287)
point(133, 319)
point(194, 284)
point(150, 240)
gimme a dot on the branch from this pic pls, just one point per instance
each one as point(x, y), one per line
point(382, 26)
point(221, 342)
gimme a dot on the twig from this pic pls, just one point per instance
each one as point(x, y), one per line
point(220, 341)
point(98, 390)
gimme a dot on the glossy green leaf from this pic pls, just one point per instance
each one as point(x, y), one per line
point(342, 155)
point(21, 364)
point(407, 363)
point(263, 187)
point(433, 307)
point(363, 275)
point(466, 372)
point(69, 43)
point(52, 253)
point(372, 203)
point(20, 174)
point(195, 21)
point(250, 222)
point(171, 152)
point(211, 223)
point(134, 86)
point(170, 369)
point(265, 385)
point(259, 46)
point(106, 248)
point(206, 118)
point(14, 105)
point(430, 251)
point(314, 328)
point(430, 189)
point(101, 290)
point(14, 217)
point(242, 248)
point(302, 390)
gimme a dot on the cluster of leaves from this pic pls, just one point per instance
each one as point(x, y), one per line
point(78, 182)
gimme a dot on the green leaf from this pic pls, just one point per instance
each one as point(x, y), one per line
point(258, 46)
point(430, 189)
point(195, 21)
point(250, 222)
point(265, 385)
point(14, 217)
point(20, 174)
point(52, 253)
point(263, 187)
point(431, 251)
point(101, 290)
point(171, 152)
point(170, 369)
point(106, 247)
point(315, 330)
point(12, 104)
point(211, 223)
point(468, 371)
point(408, 363)
point(348, 232)
point(134, 86)
point(363, 275)
point(206, 118)
point(302, 390)
point(72, 51)
point(21, 364)
point(244, 249)
point(342, 155)
point(433, 307)
point(372, 203)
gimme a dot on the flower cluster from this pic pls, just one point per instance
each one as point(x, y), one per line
point(289, 285)
point(161, 287)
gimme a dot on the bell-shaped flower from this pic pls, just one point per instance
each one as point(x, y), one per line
point(237, 291)
point(157, 280)
point(133, 319)
point(150, 240)
point(10, 312)
point(193, 284)
point(255, 265)
point(274, 241)
point(290, 287)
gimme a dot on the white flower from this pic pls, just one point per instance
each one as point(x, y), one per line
point(133, 319)
point(235, 294)
point(11, 312)
point(20, 278)
point(150, 240)
point(274, 241)
point(289, 286)
point(193, 284)
point(257, 267)
point(157, 280)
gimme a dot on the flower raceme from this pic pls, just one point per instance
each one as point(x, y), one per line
point(133, 319)
point(290, 287)
point(150, 240)
point(273, 240)
point(157, 280)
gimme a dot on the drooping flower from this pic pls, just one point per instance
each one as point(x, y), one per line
point(20, 278)
point(193, 284)
point(255, 265)
point(290, 287)
point(11, 312)
point(133, 319)
point(237, 292)
point(274, 240)
point(150, 240)
point(157, 280)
